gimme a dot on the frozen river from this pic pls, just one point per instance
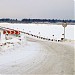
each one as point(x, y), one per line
point(33, 56)
point(45, 30)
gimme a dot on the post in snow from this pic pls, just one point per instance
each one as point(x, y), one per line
point(64, 25)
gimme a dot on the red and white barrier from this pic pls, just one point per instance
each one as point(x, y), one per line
point(11, 32)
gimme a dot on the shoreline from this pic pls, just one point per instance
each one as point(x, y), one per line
point(37, 23)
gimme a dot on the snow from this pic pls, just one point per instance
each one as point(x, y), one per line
point(18, 52)
point(46, 30)
point(32, 55)
point(37, 57)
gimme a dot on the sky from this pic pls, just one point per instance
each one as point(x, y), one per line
point(49, 9)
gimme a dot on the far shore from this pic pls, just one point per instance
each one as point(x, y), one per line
point(59, 23)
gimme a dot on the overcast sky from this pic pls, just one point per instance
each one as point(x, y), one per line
point(57, 9)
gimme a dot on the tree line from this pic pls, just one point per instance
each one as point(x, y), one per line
point(8, 20)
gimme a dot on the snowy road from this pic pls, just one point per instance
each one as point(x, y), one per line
point(39, 57)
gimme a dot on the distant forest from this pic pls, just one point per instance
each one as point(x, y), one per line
point(8, 20)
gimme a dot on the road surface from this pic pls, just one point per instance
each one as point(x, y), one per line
point(41, 57)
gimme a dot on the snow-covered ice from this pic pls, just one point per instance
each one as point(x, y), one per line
point(36, 56)
point(46, 30)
